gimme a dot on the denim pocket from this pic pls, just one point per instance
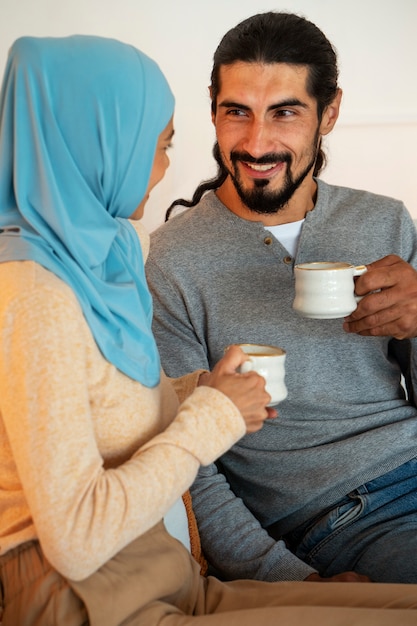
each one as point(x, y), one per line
point(328, 526)
point(342, 515)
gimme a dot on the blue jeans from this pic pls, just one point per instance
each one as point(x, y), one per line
point(372, 531)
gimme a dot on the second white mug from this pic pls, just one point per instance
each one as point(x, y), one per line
point(268, 362)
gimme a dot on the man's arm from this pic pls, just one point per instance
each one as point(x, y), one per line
point(233, 540)
point(182, 350)
point(404, 352)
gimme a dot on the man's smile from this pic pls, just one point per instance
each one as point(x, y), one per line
point(262, 170)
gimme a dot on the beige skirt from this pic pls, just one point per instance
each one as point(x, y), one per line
point(152, 567)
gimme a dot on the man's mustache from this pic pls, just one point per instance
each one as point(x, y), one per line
point(269, 158)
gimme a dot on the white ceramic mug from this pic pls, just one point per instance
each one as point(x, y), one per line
point(326, 290)
point(269, 362)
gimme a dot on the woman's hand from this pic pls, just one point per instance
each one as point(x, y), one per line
point(247, 391)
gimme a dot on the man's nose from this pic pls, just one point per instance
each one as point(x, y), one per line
point(258, 139)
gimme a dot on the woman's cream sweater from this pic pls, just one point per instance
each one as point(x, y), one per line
point(89, 458)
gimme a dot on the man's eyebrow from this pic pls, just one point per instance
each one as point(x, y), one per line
point(226, 104)
point(290, 102)
point(170, 136)
point(229, 104)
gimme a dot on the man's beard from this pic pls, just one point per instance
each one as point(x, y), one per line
point(260, 199)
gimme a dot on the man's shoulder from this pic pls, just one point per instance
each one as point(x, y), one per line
point(176, 226)
point(344, 207)
point(191, 230)
point(356, 195)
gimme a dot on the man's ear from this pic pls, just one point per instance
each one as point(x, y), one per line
point(330, 114)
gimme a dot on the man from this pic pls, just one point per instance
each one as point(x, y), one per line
point(330, 485)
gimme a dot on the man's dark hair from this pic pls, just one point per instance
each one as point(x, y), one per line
point(274, 37)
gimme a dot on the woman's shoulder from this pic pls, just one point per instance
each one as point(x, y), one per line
point(28, 282)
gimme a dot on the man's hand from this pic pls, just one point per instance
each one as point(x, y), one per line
point(344, 577)
point(389, 305)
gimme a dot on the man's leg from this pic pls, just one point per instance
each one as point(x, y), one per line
point(372, 531)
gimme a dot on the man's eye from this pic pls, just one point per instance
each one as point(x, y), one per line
point(236, 112)
point(284, 113)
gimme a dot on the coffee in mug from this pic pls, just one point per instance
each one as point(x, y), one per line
point(269, 362)
point(326, 290)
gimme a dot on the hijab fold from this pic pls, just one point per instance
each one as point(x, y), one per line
point(80, 118)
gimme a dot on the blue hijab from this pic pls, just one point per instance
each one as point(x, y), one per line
point(80, 118)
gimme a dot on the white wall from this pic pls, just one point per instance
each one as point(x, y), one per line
point(373, 145)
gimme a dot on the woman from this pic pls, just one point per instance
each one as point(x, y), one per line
point(95, 447)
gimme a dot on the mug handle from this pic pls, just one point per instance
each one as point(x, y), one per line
point(358, 270)
point(247, 366)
